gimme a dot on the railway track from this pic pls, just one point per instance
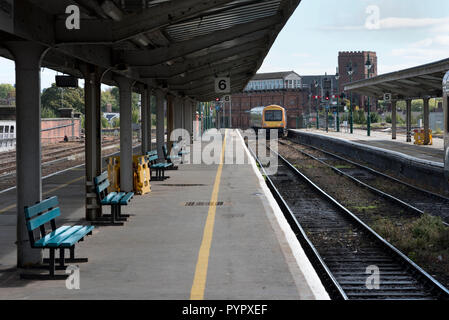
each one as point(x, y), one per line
point(343, 249)
point(411, 197)
point(50, 154)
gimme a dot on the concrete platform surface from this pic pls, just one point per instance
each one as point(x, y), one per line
point(431, 153)
point(163, 252)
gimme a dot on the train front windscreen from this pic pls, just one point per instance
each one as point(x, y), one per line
point(273, 115)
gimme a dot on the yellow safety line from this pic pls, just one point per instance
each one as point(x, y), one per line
point(199, 280)
point(46, 192)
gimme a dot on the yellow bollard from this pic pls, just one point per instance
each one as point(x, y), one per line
point(417, 137)
point(141, 175)
point(114, 174)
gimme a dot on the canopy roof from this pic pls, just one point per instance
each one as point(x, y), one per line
point(417, 82)
point(179, 45)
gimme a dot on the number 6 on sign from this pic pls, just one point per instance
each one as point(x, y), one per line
point(222, 85)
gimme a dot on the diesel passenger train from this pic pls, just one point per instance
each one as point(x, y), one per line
point(269, 117)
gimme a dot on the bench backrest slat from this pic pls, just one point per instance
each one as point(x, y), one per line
point(43, 218)
point(102, 186)
point(152, 152)
point(98, 180)
point(42, 206)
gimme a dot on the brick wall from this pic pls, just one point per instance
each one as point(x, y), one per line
point(63, 127)
point(293, 100)
point(358, 59)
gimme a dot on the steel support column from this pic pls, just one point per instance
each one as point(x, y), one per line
point(446, 123)
point(426, 120)
point(92, 129)
point(160, 127)
point(188, 115)
point(150, 118)
point(393, 119)
point(170, 120)
point(146, 119)
point(126, 134)
point(409, 119)
point(27, 57)
point(178, 106)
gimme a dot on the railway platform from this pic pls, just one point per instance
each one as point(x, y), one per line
point(207, 232)
point(422, 165)
point(433, 154)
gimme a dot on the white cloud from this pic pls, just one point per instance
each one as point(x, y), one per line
point(382, 68)
point(422, 43)
point(440, 24)
point(397, 23)
point(301, 55)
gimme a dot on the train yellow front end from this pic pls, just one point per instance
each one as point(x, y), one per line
point(269, 117)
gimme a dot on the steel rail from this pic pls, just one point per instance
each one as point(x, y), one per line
point(375, 172)
point(419, 275)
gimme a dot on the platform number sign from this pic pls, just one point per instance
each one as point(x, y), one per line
point(226, 98)
point(387, 97)
point(222, 85)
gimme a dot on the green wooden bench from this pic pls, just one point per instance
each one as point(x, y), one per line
point(114, 199)
point(180, 150)
point(64, 237)
point(157, 166)
point(171, 158)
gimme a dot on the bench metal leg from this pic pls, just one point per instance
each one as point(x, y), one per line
point(109, 219)
point(61, 257)
point(72, 258)
point(52, 262)
point(120, 215)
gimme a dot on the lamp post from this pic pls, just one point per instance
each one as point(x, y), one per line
point(350, 73)
point(368, 66)
point(337, 76)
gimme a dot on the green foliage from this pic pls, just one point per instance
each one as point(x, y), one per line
point(116, 122)
point(104, 122)
point(47, 113)
point(427, 233)
point(417, 105)
point(374, 117)
point(399, 120)
point(135, 115)
point(5, 89)
point(359, 117)
point(108, 98)
point(54, 98)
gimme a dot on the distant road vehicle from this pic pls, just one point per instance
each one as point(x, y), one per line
point(269, 117)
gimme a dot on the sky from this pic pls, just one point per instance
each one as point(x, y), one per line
point(404, 33)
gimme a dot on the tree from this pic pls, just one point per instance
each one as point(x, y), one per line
point(135, 115)
point(108, 98)
point(47, 113)
point(104, 122)
point(115, 94)
point(6, 89)
point(116, 122)
point(54, 98)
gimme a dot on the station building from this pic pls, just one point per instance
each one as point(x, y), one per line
point(356, 61)
point(287, 89)
point(281, 88)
